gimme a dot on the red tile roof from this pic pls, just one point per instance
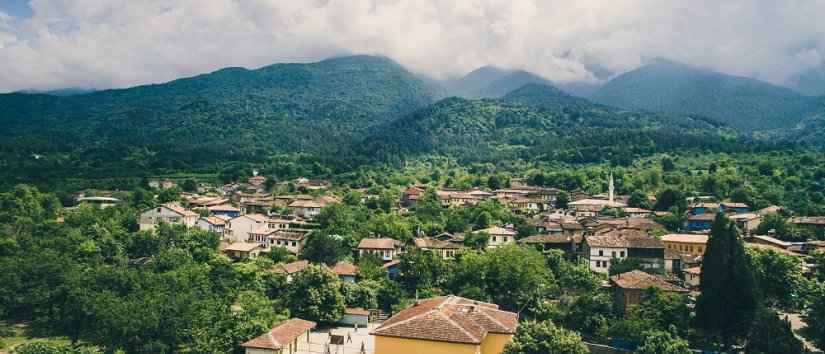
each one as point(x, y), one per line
point(639, 280)
point(290, 268)
point(449, 319)
point(345, 268)
point(379, 243)
point(433, 243)
point(281, 335)
point(356, 311)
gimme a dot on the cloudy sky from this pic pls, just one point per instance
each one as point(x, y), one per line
point(47, 44)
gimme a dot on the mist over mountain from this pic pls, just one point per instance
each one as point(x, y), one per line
point(810, 82)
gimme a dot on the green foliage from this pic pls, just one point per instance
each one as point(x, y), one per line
point(660, 342)
point(816, 316)
point(769, 334)
point(666, 86)
point(656, 310)
point(670, 200)
point(43, 348)
point(323, 248)
point(422, 270)
point(544, 337)
point(779, 277)
point(315, 294)
point(363, 294)
point(729, 296)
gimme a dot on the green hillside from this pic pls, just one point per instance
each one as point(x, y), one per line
point(520, 128)
point(666, 86)
point(231, 114)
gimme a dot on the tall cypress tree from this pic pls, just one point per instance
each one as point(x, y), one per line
point(729, 299)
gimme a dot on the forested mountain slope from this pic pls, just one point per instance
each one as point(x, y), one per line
point(666, 86)
point(528, 126)
point(230, 114)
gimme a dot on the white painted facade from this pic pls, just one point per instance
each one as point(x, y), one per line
point(599, 257)
point(150, 218)
point(240, 227)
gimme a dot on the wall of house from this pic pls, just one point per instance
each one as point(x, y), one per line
point(150, 218)
point(696, 249)
point(362, 321)
point(494, 343)
point(240, 228)
point(605, 257)
point(261, 351)
point(391, 345)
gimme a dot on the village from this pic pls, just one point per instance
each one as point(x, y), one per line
point(599, 231)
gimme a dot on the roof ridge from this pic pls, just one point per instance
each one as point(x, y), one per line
point(391, 325)
point(460, 327)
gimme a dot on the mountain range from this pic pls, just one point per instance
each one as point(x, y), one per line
point(363, 109)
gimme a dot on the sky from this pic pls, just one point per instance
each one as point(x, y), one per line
point(50, 44)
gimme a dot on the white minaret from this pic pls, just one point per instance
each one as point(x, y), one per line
point(610, 189)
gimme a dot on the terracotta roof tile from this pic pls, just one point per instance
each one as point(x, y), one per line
point(379, 243)
point(639, 280)
point(281, 335)
point(449, 319)
point(345, 268)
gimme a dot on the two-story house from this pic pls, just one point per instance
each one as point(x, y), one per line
point(170, 213)
point(445, 249)
point(242, 226)
point(602, 250)
point(384, 248)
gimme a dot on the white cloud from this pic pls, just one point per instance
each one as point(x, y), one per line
point(117, 43)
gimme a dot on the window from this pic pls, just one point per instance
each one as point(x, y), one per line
point(621, 254)
point(494, 239)
point(601, 253)
point(598, 264)
point(294, 244)
point(613, 254)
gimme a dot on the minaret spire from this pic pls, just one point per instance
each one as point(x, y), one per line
point(610, 189)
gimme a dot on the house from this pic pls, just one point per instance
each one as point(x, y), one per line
point(734, 208)
point(816, 223)
point(570, 245)
point(346, 271)
point(445, 249)
point(703, 208)
point(601, 250)
point(214, 224)
point(291, 239)
point(692, 276)
point(392, 269)
point(480, 194)
point(456, 198)
point(673, 261)
point(771, 241)
point(242, 226)
point(384, 248)
point(499, 236)
point(256, 181)
point(446, 325)
point(700, 222)
point(224, 210)
point(170, 213)
point(637, 212)
point(243, 250)
point(288, 337)
point(306, 208)
point(411, 195)
point(629, 287)
point(693, 244)
point(162, 184)
point(355, 316)
point(747, 222)
point(288, 270)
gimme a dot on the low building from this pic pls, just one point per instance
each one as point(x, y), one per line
point(602, 250)
point(291, 239)
point(629, 287)
point(499, 236)
point(592, 207)
point(256, 181)
point(99, 202)
point(446, 325)
point(693, 244)
point(703, 208)
point(700, 222)
point(445, 249)
point(170, 213)
point(734, 208)
point(692, 276)
point(243, 250)
point(288, 337)
point(355, 316)
point(288, 270)
point(224, 210)
point(637, 212)
point(411, 195)
point(213, 224)
point(306, 208)
point(384, 248)
point(346, 271)
point(747, 222)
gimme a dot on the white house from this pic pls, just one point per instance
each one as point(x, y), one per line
point(601, 250)
point(214, 224)
point(384, 248)
point(499, 236)
point(293, 240)
point(169, 213)
point(240, 227)
point(306, 208)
